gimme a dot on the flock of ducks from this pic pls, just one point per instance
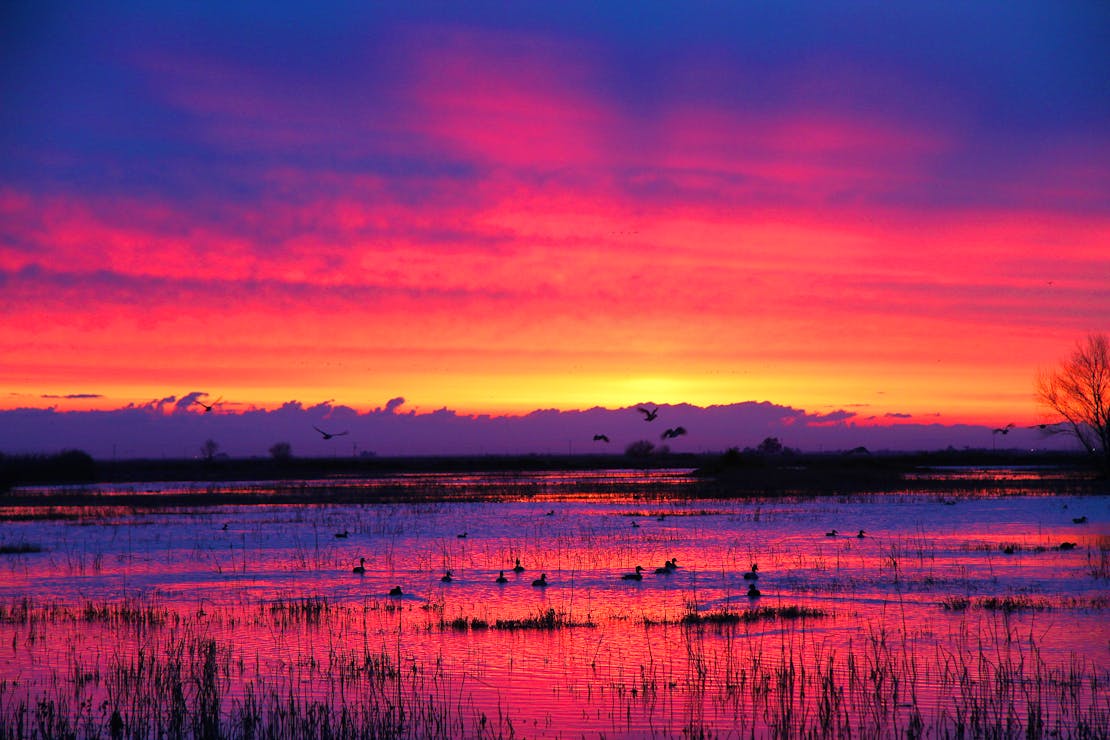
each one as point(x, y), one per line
point(668, 567)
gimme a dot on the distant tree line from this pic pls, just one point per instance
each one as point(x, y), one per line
point(69, 466)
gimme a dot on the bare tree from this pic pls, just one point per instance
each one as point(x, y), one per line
point(281, 451)
point(209, 449)
point(1079, 392)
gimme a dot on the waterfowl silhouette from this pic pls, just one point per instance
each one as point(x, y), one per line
point(341, 535)
point(1079, 520)
point(648, 415)
point(635, 524)
point(600, 438)
point(672, 433)
point(661, 517)
point(753, 592)
point(501, 578)
point(831, 533)
point(395, 591)
point(208, 406)
point(461, 535)
point(329, 435)
point(1003, 430)
point(1067, 546)
point(361, 567)
point(446, 577)
point(540, 582)
point(637, 576)
point(550, 513)
point(225, 526)
point(752, 574)
point(518, 568)
point(861, 535)
point(666, 569)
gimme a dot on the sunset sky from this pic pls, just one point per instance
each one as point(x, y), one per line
point(901, 210)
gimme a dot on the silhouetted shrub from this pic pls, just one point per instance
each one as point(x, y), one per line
point(281, 451)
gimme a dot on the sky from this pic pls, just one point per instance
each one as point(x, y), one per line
point(898, 213)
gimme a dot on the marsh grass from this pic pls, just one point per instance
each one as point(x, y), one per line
point(748, 616)
point(1013, 603)
point(186, 677)
point(543, 620)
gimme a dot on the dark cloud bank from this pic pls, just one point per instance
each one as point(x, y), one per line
point(176, 427)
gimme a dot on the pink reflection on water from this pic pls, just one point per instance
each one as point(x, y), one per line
point(911, 591)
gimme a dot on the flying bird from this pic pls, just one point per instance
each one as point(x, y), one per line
point(600, 438)
point(648, 415)
point(208, 406)
point(326, 435)
point(1003, 430)
point(672, 433)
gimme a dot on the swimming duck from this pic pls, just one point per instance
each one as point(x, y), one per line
point(501, 578)
point(637, 576)
point(753, 592)
point(341, 535)
point(541, 581)
point(861, 535)
point(361, 567)
point(752, 575)
point(667, 568)
point(518, 568)
point(831, 533)
point(446, 577)
point(1079, 520)
point(395, 591)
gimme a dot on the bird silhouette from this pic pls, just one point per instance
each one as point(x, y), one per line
point(446, 577)
point(831, 533)
point(752, 575)
point(648, 415)
point(637, 576)
point(395, 591)
point(666, 569)
point(600, 438)
point(327, 435)
point(341, 535)
point(1079, 520)
point(672, 433)
point(1003, 430)
point(461, 535)
point(861, 534)
point(753, 592)
point(501, 578)
point(361, 567)
point(540, 582)
point(518, 568)
point(208, 406)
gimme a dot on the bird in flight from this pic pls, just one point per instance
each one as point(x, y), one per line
point(672, 433)
point(208, 406)
point(326, 435)
point(648, 415)
point(1003, 430)
point(600, 438)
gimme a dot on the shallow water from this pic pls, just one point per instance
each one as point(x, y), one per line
point(631, 667)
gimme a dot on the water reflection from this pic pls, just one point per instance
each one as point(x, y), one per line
point(940, 588)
